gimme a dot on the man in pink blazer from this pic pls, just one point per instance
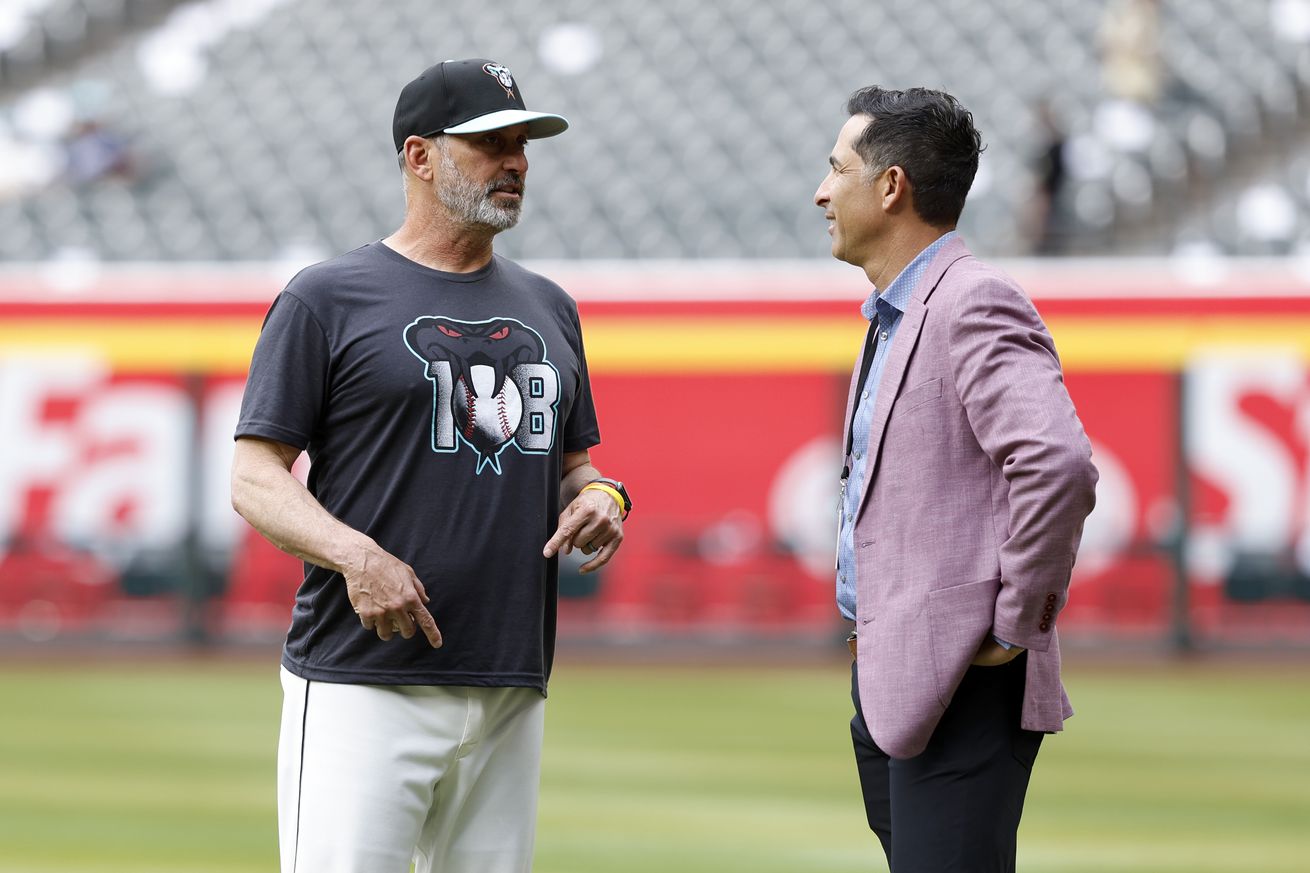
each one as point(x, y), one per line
point(967, 479)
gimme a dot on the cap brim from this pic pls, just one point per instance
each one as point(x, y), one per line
point(540, 124)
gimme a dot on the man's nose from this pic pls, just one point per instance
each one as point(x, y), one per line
point(516, 162)
point(821, 195)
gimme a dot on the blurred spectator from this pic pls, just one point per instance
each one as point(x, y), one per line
point(1049, 220)
point(1131, 67)
point(94, 152)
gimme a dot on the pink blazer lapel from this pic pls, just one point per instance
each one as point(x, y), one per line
point(898, 357)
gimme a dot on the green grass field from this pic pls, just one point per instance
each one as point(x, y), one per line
point(143, 768)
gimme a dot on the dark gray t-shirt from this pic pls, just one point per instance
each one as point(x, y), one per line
point(435, 408)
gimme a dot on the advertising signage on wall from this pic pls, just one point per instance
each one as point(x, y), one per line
point(720, 389)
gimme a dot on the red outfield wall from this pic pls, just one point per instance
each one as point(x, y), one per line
point(720, 389)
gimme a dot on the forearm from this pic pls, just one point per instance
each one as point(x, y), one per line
point(573, 481)
point(277, 505)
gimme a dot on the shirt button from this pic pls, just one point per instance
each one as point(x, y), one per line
point(864, 396)
point(857, 456)
point(883, 336)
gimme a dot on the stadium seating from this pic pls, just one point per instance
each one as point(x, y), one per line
point(260, 129)
point(38, 36)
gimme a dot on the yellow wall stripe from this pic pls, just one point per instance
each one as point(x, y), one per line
point(138, 345)
point(1167, 342)
point(626, 344)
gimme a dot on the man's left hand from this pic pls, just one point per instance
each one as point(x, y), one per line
point(993, 654)
point(592, 523)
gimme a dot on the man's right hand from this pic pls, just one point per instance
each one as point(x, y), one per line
point(992, 654)
point(388, 598)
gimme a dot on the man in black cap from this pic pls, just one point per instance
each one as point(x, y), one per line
point(441, 393)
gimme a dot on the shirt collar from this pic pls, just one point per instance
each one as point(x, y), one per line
point(897, 295)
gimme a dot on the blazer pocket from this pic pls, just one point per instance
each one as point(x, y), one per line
point(919, 395)
point(960, 618)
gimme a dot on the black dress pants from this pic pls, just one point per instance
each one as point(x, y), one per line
point(955, 807)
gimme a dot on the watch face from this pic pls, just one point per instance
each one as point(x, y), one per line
point(618, 486)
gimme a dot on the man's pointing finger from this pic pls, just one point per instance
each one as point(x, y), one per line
point(562, 535)
point(424, 620)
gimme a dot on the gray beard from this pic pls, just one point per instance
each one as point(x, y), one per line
point(471, 204)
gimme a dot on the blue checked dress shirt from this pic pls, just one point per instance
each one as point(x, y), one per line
point(887, 308)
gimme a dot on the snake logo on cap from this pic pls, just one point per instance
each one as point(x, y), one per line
point(501, 74)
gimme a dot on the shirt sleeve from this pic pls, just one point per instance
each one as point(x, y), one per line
point(581, 430)
point(286, 389)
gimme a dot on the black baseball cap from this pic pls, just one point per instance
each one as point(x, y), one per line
point(468, 96)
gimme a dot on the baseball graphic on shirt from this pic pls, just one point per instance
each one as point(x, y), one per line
point(486, 417)
point(492, 386)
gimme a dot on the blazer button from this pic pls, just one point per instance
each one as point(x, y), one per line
point(1044, 627)
point(1050, 598)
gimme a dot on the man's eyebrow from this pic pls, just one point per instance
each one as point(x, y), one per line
point(833, 162)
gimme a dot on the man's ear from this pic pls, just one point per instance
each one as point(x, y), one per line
point(896, 192)
point(420, 158)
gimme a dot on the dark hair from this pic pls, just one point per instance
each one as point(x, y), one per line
point(930, 136)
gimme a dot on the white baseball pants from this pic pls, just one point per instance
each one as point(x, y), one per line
point(374, 777)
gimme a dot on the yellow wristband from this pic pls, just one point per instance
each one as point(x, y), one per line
point(618, 498)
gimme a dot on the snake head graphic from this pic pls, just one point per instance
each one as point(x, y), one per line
point(502, 75)
point(499, 343)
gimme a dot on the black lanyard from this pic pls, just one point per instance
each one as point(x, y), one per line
point(871, 341)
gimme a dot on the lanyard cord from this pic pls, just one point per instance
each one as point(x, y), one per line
point(871, 343)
